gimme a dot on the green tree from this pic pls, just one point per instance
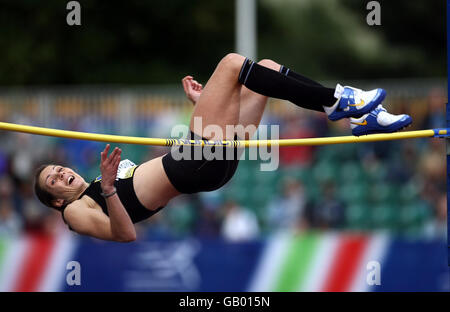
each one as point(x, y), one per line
point(331, 39)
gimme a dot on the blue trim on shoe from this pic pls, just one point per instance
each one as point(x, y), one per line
point(372, 126)
point(347, 98)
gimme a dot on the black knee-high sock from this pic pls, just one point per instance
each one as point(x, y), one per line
point(290, 73)
point(271, 83)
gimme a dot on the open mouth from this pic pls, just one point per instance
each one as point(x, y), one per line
point(70, 180)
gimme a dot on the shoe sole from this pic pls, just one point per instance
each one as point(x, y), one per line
point(383, 131)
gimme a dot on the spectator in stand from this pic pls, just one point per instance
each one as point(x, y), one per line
point(239, 224)
point(329, 211)
point(435, 117)
point(10, 221)
point(431, 166)
point(296, 127)
point(437, 226)
point(286, 210)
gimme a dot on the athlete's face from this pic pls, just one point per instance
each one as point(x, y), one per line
point(61, 182)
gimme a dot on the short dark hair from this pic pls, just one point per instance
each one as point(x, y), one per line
point(44, 196)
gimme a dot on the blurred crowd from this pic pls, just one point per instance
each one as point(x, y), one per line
point(396, 186)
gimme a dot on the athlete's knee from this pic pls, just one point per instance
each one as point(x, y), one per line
point(269, 64)
point(233, 57)
point(232, 61)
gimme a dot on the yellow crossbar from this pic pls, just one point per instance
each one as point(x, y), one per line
point(241, 143)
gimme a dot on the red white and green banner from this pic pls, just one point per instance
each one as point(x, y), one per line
point(325, 261)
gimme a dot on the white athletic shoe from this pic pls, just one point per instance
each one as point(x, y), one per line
point(353, 102)
point(379, 121)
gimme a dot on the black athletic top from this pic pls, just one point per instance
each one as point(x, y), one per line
point(125, 191)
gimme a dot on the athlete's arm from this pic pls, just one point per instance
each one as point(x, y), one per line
point(122, 227)
point(93, 222)
point(88, 221)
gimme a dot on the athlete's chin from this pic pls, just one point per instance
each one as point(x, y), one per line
point(79, 180)
point(77, 184)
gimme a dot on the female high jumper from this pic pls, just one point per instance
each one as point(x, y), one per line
point(236, 94)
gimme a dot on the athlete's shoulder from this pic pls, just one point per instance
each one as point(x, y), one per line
point(77, 204)
point(84, 201)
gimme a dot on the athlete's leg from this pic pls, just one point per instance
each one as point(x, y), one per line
point(272, 83)
point(224, 101)
point(342, 102)
point(219, 103)
point(220, 99)
point(253, 104)
point(290, 73)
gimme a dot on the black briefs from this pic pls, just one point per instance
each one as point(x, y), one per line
point(199, 174)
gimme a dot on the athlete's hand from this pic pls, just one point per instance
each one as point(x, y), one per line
point(108, 168)
point(192, 88)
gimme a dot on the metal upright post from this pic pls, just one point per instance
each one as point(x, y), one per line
point(447, 113)
point(246, 28)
